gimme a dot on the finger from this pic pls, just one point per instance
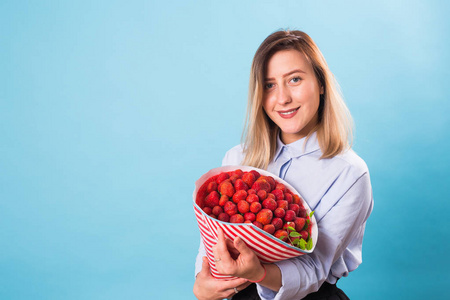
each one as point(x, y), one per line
point(232, 249)
point(230, 284)
point(240, 245)
point(220, 250)
point(205, 266)
point(243, 286)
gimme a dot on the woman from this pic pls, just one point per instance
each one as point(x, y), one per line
point(298, 128)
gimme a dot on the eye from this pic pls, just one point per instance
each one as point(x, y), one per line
point(268, 86)
point(296, 79)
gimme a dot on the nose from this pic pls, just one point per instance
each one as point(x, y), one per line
point(283, 95)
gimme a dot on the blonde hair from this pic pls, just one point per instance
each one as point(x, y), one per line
point(334, 127)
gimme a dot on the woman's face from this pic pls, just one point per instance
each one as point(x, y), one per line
point(291, 94)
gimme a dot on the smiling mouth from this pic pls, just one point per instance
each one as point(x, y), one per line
point(288, 112)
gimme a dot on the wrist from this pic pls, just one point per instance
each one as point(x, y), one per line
point(261, 275)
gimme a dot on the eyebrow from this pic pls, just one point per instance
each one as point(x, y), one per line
point(287, 74)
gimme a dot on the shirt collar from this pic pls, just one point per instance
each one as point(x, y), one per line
point(298, 148)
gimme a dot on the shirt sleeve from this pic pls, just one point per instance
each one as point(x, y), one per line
point(338, 227)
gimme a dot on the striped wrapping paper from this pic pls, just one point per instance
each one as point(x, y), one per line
point(268, 248)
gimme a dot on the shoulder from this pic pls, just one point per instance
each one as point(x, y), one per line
point(350, 163)
point(234, 156)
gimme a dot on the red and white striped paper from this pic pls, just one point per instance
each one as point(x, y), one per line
point(268, 248)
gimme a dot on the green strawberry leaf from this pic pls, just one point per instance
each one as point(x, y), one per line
point(282, 237)
point(294, 234)
point(311, 213)
point(309, 245)
point(302, 244)
point(291, 228)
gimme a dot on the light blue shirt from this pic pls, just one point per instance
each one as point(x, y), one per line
point(340, 193)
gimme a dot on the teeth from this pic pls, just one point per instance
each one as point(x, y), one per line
point(289, 112)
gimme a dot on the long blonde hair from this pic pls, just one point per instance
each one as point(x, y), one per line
point(334, 127)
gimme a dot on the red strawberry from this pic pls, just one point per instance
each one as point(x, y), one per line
point(240, 185)
point(281, 187)
point(261, 184)
point(227, 188)
point(304, 234)
point(224, 217)
point(299, 224)
point(255, 173)
point(264, 216)
point(243, 206)
point(278, 223)
point(288, 224)
point(217, 210)
point(249, 178)
point(233, 179)
point(251, 191)
point(207, 210)
point(237, 218)
point(283, 204)
point(281, 234)
point(250, 217)
point(289, 216)
point(269, 204)
point(258, 224)
point(270, 195)
point(296, 199)
point(252, 198)
point(278, 194)
point(212, 199)
point(223, 199)
point(288, 197)
point(230, 208)
point(255, 207)
point(302, 212)
point(222, 177)
point(279, 212)
point(238, 173)
point(269, 228)
point(239, 195)
point(212, 186)
point(295, 208)
point(262, 195)
point(271, 181)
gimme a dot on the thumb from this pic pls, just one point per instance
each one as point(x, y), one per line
point(205, 265)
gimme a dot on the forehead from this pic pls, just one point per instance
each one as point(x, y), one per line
point(285, 61)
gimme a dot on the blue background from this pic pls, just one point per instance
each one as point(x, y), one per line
point(109, 112)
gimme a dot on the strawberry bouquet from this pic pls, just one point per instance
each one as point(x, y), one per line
point(262, 209)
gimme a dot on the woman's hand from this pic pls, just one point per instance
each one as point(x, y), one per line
point(206, 287)
point(236, 259)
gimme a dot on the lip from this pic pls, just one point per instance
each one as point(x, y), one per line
point(289, 113)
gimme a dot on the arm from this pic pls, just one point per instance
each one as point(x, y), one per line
point(339, 224)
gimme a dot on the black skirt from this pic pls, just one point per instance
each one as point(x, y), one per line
point(326, 292)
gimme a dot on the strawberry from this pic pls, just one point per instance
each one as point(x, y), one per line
point(296, 199)
point(277, 222)
point(295, 208)
point(233, 178)
point(212, 199)
point(227, 188)
point(281, 234)
point(288, 197)
point(212, 186)
point(217, 210)
point(264, 216)
point(262, 195)
point(304, 234)
point(255, 207)
point(255, 173)
point(283, 204)
point(223, 199)
point(270, 195)
point(279, 212)
point(251, 191)
point(289, 216)
point(222, 177)
point(299, 224)
point(243, 206)
point(230, 208)
point(224, 217)
point(261, 184)
point(278, 194)
point(236, 218)
point(252, 198)
point(249, 178)
point(240, 185)
point(269, 204)
point(250, 217)
point(269, 228)
point(258, 224)
point(207, 210)
point(281, 187)
point(239, 195)
point(237, 173)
